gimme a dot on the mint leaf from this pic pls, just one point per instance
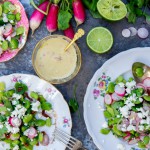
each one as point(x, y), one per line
point(64, 18)
point(3, 131)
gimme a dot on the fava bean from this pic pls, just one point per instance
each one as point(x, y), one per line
point(14, 43)
point(34, 95)
point(27, 118)
point(5, 45)
point(18, 16)
point(139, 72)
point(40, 122)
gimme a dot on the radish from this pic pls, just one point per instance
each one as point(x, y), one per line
point(46, 140)
point(143, 33)
point(108, 100)
point(148, 91)
point(116, 97)
point(51, 20)
point(133, 31)
point(140, 85)
point(32, 133)
point(37, 16)
point(8, 30)
point(120, 90)
point(126, 33)
point(79, 11)
point(69, 32)
point(14, 121)
point(1, 105)
point(127, 137)
point(134, 141)
point(146, 82)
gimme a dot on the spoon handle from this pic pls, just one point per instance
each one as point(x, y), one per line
point(78, 35)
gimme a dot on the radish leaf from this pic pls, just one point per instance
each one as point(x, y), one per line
point(64, 18)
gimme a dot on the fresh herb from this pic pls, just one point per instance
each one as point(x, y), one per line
point(20, 88)
point(64, 15)
point(73, 103)
point(137, 8)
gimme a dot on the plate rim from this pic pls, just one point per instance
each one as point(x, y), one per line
point(92, 81)
point(58, 92)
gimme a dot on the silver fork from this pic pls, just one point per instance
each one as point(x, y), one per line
point(70, 142)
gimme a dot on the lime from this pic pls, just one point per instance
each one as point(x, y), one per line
point(100, 39)
point(112, 10)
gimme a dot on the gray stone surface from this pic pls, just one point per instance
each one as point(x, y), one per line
point(90, 62)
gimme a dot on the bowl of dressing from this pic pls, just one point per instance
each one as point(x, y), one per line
point(52, 63)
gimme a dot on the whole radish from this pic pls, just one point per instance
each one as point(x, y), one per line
point(69, 32)
point(52, 17)
point(37, 16)
point(79, 11)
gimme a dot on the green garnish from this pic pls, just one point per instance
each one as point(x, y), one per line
point(20, 88)
point(14, 43)
point(20, 30)
point(5, 45)
point(139, 72)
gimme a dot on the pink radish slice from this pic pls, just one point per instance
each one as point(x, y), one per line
point(46, 140)
point(143, 33)
point(108, 99)
point(1, 105)
point(8, 30)
point(32, 133)
point(133, 31)
point(127, 137)
point(10, 121)
point(16, 122)
point(51, 20)
point(78, 11)
point(120, 90)
point(116, 97)
point(69, 32)
point(140, 85)
point(126, 33)
point(146, 82)
point(37, 16)
point(133, 141)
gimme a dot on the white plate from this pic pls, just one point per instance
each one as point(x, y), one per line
point(120, 64)
point(60, 107)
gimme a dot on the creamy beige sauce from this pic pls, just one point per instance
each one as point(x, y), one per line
point(52, 62)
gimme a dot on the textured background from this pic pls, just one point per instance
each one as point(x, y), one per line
point(22, 63)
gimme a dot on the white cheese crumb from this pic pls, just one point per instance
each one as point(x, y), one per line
point(5, 19)
point(16, 96)
point(35, 106)
point(16, 147)
point(120, 147)
point(105, 125)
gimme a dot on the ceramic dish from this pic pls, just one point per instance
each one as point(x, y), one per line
point(9, 54)
point(62, 114)
point(120, 64)
point(41, 59)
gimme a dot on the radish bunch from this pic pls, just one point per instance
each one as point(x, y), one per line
point(58, 15)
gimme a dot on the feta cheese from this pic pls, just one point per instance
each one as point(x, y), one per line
point(131, 127)
point(8, 38)
point(105, 125)
point(1, 126)
point(140, 115)
point(35, 106)
point(123, 129)
point(141, 99)
point(128, 90)
point(141, 127)
point(16, 147)
point(1, 38)
point(14, 102)
point(120, 147)
point(121, 84)
point(16, 96)
point(11, 129)
point(124, 111)
point(26, 132)
point(131, 84)
point(5, 19)
point(2, 30)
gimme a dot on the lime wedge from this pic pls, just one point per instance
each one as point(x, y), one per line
point(100, 40)
point(112, 10)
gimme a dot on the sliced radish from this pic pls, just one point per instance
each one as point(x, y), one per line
point(8, 30)
point(133, 31)
point(120, 90)
point(46, 140)
point(1, 105)
point(116, 97)
point(146, 106)
point(32, 133)
point(108, 100)
point(140, 85)
point(127, 137)
point(141, 138)
point(143, 33)
point(146, 82)
point(16, 122)
point(134, 141)
point(10, 121)
point(126, 33)
point(148, 91)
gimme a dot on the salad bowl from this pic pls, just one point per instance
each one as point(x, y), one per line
point(94, 105)
point(61, 117)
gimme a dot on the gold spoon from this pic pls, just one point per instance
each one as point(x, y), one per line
point(146, 71)
point(78, 35)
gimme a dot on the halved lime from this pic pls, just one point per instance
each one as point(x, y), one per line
point(100, 40)
point(112, 10)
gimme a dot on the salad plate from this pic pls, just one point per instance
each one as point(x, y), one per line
point(59, 114)
point(94, 104)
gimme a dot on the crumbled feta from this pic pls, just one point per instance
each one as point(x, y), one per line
point(123, 129)
point(26, 132)
point(35, 106)
point(124, 111)
point(16, 147)
point(14, 102)
point(16, 96)
point(11, 21)
point(5, 19)
point(140, 115)
point(1, 126)
point(128, 90)
point(8, 38)
point(141, 127)
point(105, 125)
point(131, 84)
point(120, 147)
point(1, 38)
point(11, 129)
point(141, 99)
point(121, 84)
point(131, 127)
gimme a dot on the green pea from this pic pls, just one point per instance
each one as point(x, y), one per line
point(14, 43)
point(18, 16)
point(139, 72)
point(105, 131)
point(119, 79)
point(11, 17)
point(19, 30)
point(42, 99)
point(27, 118)
point(40, 123)
point(24, 128)
point(111, 87)
point(46, 106)
point(40, 137)
point(130, 79)
point(2, 86)
point(34, 95)
point(34, 142)
point(27, 104)
point(6, 7)
point(5, 45)
point(48, 122)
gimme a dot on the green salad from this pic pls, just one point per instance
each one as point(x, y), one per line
point(11, 34)
point(128, 111)
point(19, 125)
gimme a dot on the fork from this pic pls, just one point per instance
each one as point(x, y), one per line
point(70, 142)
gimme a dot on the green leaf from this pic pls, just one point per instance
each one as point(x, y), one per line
point(140, 3)
point(105, 131)
point(64, 18)
point(3, 130)
point(107, 114)
point(95, 14)
point(19, 30)
point(146, 140)
point(46, 106)
point(131, 18)
point(74, 105)
point(20, 88)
